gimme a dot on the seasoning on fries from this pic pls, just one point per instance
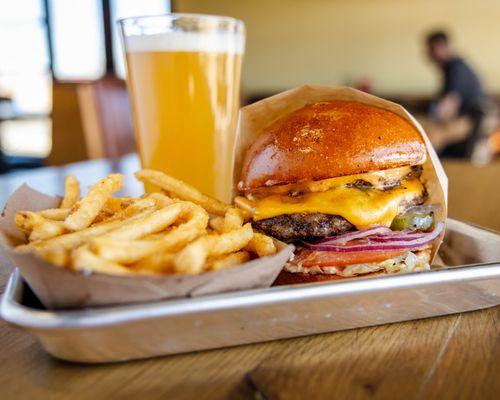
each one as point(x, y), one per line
point(178, 230)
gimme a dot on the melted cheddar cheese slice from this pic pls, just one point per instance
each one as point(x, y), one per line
point(362, 208)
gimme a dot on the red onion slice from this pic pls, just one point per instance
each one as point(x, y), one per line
point(388, 245)
point(347, 237)
point(410, 236)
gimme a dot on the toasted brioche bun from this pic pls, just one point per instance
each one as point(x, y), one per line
point(330, 139)
point(290, 278)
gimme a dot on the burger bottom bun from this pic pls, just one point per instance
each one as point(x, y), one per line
point(292, 278)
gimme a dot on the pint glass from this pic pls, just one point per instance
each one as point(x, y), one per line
point(183, 74)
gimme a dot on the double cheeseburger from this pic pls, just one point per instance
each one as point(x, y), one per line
point(342, 181)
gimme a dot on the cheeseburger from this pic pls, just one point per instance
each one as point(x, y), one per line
point(342, 181)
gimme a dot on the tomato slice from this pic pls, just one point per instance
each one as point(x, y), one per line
point(310, 258)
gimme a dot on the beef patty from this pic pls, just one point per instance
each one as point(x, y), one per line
point(303, 226)
point(289, 227)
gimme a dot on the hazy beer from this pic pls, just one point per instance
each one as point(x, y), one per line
point(185, 97)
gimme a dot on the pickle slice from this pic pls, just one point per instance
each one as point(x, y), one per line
point(413, 220)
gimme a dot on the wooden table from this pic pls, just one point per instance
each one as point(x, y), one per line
point(455, 357)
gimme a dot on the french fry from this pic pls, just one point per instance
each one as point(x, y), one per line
point(136, 207)
point(128, 252)
point(87, 209)
point(71, 192)
point(37, 226)
point(159, 263)
point(152, 223)
point(56, 255)
point(230, 260)
point(55, 214)
point(123, 251)
point(192, 258)
point(124, 209)
point(182, 190)
point(84, 259)
point(43, 219)
point(162, 199)
point(217, 224)
point(233, 219)
point(228, 242)
point(74, 239)
point(112, 206)
point(158, 235)
point(117, 204)
point(136, 210)
point(47, 229)
point(25, 220)
point(245, 205)
point(261, 245)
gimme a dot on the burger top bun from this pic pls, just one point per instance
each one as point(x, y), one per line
point(328, 139)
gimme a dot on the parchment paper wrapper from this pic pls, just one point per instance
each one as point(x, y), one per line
point(59, 288)
point(257, 116)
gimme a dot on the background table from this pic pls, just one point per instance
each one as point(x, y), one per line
point(457, 356)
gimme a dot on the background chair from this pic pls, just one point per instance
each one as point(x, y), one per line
point(91, 120)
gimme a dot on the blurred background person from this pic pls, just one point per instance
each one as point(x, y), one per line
point(460, 115)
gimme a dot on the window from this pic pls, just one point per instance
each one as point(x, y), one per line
point(25, 79)
point(78, 53)
point(24, 67)
point(77, 39)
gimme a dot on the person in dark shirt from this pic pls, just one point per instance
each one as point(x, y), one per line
point(461, 93)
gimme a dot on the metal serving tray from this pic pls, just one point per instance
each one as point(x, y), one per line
point(177, 326)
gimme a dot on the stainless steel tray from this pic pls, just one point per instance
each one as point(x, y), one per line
point(176, 326)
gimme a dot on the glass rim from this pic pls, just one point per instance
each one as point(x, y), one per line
point(173, 16)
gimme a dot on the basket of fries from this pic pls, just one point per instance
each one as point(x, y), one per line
point(105, 250)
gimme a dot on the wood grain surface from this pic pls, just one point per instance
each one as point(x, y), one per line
point(453, 357)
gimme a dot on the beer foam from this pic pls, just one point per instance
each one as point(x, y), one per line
point(214, 42)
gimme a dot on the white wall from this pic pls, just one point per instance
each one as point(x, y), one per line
point(335, 42)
